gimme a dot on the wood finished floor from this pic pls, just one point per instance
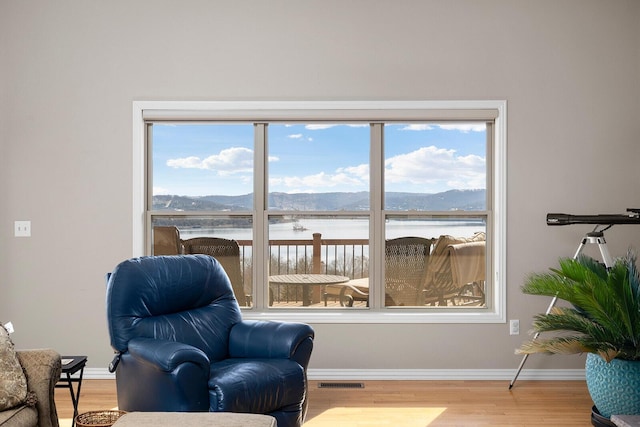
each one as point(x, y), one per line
point(410, 403)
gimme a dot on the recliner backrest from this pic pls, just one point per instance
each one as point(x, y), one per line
point(186, 298)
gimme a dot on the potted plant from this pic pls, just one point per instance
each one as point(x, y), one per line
point(602, 319)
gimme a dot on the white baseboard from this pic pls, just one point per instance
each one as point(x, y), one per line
point(97, 374)
point(413, 374)
point(444, 374)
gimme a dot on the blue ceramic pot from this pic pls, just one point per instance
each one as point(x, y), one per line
point(615, 386)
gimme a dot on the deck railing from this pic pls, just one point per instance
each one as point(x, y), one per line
point(344, 257)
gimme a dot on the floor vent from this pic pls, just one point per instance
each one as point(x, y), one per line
point(340, 385)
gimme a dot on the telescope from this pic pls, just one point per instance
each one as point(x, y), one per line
point(631, 217)
point(596, 236)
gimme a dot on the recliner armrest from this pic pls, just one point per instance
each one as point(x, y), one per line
point(166, 355)
point(176, 373)
point(271, 340)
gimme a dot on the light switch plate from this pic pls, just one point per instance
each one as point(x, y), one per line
point(23, 229)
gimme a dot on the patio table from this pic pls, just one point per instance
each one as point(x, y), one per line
point(306, 281)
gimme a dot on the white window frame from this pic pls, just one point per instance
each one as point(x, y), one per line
point(365, 110)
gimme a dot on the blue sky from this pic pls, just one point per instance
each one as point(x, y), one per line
point(197, 159)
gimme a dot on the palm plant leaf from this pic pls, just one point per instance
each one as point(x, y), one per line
point(605, 317)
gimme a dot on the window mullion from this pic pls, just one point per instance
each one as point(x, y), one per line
point(148, 170)
point(376, 231)
point(260, 218)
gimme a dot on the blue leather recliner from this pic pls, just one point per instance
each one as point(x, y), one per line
point(181, 344)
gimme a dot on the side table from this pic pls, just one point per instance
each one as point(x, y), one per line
point(71, 365)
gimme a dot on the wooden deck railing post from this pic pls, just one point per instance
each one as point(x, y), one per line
point(316, 265)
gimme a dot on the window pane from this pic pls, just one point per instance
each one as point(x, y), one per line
point(318, 261)
point(435, 262)
point(319, 167)
point(435, 167)
point(202, 167)
point(228, 239)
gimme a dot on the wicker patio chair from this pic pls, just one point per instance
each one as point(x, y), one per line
point(227, 252)
point(406, 261)
point(166, 240)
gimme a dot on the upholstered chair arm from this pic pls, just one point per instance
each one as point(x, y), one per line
point(272, 340)
point(162, 375)
point(42, 368)
point(167, 355)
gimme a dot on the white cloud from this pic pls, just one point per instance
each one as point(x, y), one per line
point(428, 169)
point(435, 167)
point(191, 162)
point(160, 191)
point(462, 127)
point(465, 127)
point(300, 136)
point(228, 161)
point(418, 127)
point(321, 126)
point(360, 171)
point(318, 126)
point(355, 178)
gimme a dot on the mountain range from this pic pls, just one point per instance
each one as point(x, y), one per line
point(467, 200)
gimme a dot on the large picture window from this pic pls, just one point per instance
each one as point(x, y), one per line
point(332, 212)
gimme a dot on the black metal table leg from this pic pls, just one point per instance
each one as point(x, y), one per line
point(75, 364)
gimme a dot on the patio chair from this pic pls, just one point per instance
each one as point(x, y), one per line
point(347, 293)
point(166, 240)
point(455, 268)
point(227, 252)
point(406, 260)
point(468, 265)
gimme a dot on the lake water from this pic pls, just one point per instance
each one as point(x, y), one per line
point(346, 229)
point(339, 229)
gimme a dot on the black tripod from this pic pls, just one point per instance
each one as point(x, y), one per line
point(594, 237)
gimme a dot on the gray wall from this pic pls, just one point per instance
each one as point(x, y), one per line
point(70, 69)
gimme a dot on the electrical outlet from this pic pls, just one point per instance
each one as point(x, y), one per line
point(514, 327)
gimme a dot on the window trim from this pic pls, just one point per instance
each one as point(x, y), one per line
point(350, 110)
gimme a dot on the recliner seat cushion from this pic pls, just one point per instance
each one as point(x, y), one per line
point(256, 385)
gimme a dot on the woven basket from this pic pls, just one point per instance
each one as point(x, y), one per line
point(98, 418)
